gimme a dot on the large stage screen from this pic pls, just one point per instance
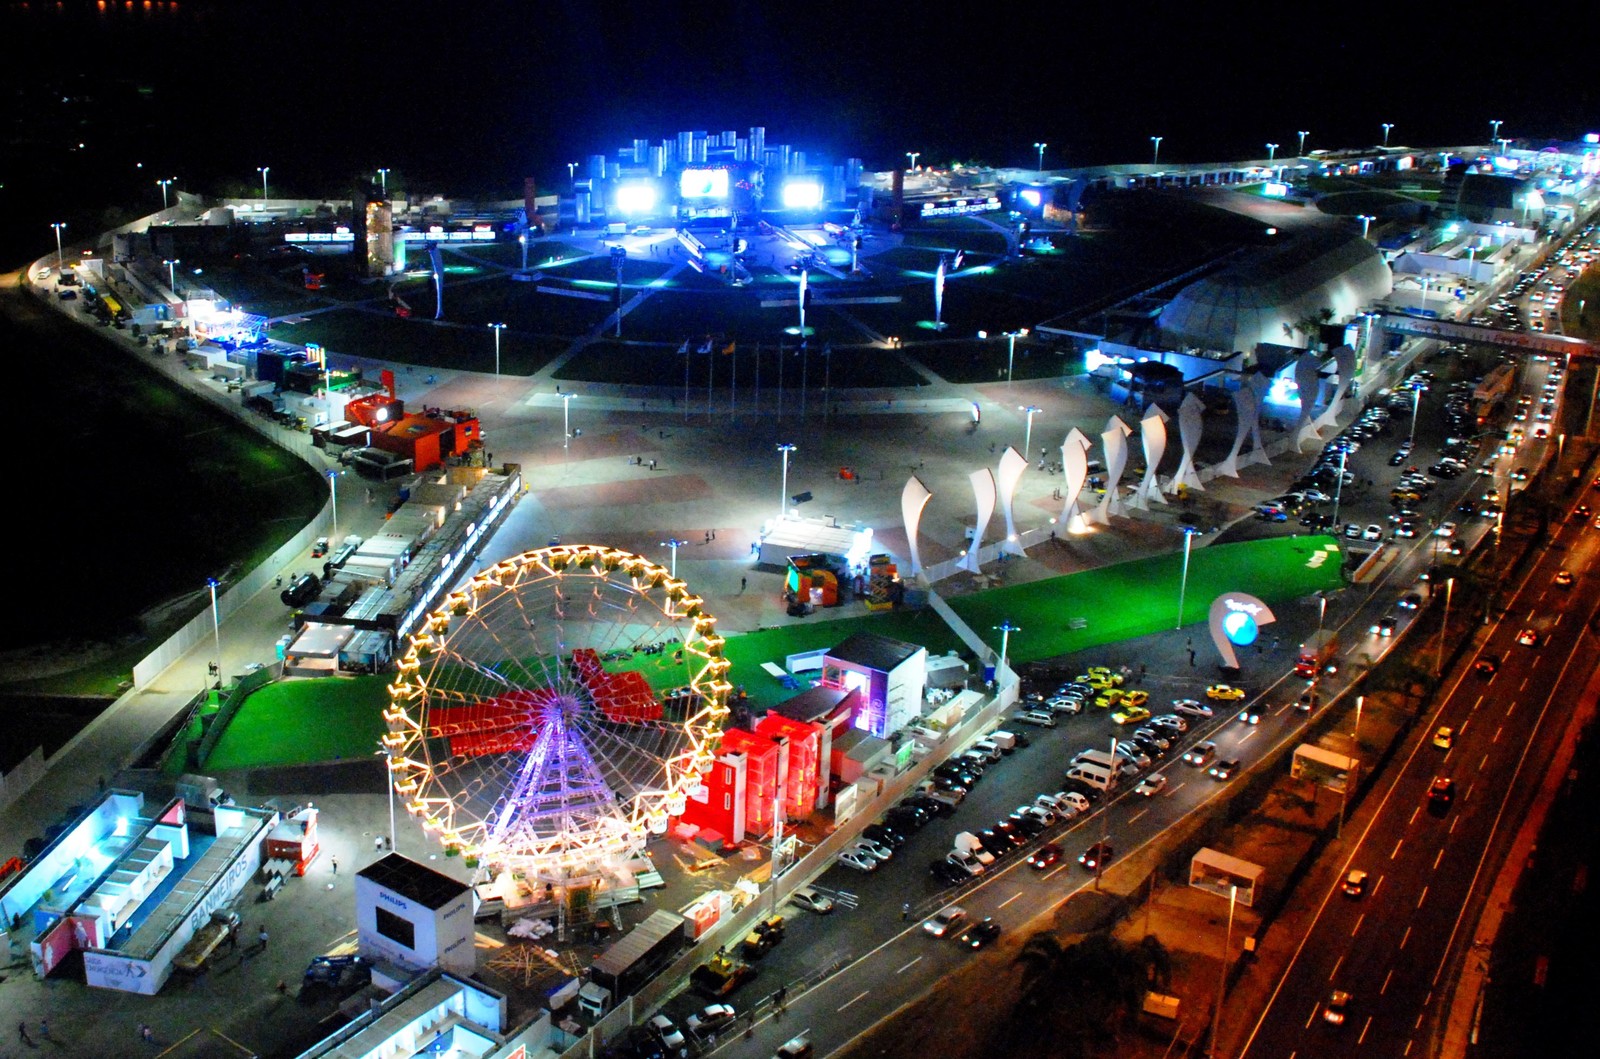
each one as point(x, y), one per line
point(703, 184)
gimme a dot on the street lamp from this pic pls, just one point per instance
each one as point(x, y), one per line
point(383, 179)
point(1303, 133)
point(1338, 490)
point(1027, 435)
point(1366, 220)
point(497, 329)
point(1449, 590)
point(1040, 148)
point(1005, 629)
point(1155, 157)
point(674, 543)
point(1222, 976)
point(913, 155)
point(572, 175)
point(1416, 398)
point(263, 170)
point(58, 225)
point(1386, 127)
point(783, 494)
point(1356, 735)
point(1189, 533)
point(172, 274)
point(163, 185)
point(1505, 145)
point(1272, 153)
point(566, 418)
point(1494, 129)
point(333, 495)
point(216, 624)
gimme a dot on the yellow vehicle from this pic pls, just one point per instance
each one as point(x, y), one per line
point(1109, 698)
point(1101, 678)
point(1130, 714)
point(1135, 697)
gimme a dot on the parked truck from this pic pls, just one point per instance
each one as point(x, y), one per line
point(624, 967)
point(1317, 654)
point(223, 925)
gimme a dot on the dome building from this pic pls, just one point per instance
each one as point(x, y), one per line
point(1254, 300)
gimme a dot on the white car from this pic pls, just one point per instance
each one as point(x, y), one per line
point(944, 922)
point(1151, 786)
point(876, 850)
point(1192, 707)
point(710, 1018)
point(855, 858)
point(1446, 529)
point(1373, 532)
point(670, 1035)
point(812, 900)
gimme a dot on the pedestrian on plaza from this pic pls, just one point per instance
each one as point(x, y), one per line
point(279, 582)
point(262, 937)
point(22, 1032)
point(1191, 658)
point(652, 465)
point(283, 987)
point(44, 1029)
point(742, 582)
point(905, 911)
point(335, 862)
point(145, 1034)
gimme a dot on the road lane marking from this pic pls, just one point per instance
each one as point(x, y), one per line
point(1056, 872)
point(1248, 735)
point(1396, 851)
point(1386, 979)
point(1313, 1016)
point(1415, 810)
point(1482, 762)
point(1365, 1026)
point(1335, 972)
point(1013, 897)
point(908, 966)
point(1497, 732)
point(1423, 896)
point(1405, 937)
point(1475, 705)
point(1437, 858)
point(1359, 920)
point(1512, 708)
point(852, 1000)
point(1556, 622)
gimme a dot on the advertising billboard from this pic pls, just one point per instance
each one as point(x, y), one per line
point(703, 184)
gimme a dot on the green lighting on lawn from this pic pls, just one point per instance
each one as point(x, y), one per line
point(606, 284)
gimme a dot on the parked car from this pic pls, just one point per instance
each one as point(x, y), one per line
point(812, 900)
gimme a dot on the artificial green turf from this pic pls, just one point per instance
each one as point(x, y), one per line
point(306, 721)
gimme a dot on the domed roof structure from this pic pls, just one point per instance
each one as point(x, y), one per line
point(1253, 300)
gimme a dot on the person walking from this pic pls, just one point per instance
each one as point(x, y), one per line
point(44, 1029)
point(335, 862)
point(262, 937)
point(905, 911)
point(22, 1033)
point(743, 581)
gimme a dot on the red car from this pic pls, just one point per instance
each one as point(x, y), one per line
point(1045, 856)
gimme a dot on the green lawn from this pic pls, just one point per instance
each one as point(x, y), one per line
point(307, 721)
point(353, 332)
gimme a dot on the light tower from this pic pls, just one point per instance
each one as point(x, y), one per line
point(58, 226)
point(497, 328)
point(1155, 157)
point(1303, 133)
point(163, 185)
point(172, 273)
point(1494, 129)
point(783, 495)
point(1027, 435)
point(383, 180)
point(913, 155)
point(1040, 148)
point(674, 543)
point(263, 170)
point(1386, 127)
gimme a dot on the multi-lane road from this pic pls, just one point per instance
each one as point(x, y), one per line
point(1393, 948)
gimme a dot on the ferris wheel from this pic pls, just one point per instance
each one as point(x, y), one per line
point(554, 713)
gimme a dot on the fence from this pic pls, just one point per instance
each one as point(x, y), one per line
point(25, 774)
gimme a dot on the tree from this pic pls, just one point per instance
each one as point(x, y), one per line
point(1078, 998)
point(1309, 326)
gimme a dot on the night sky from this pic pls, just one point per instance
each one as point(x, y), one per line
point(468, 98)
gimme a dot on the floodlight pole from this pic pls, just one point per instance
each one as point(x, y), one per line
point(1005, 628)
point(216, 624)
point(1366, 220)
point(1272, 153)
point(383, 179)
point(1040, 148)
point(1027, 435)
point(783, 494)
point(674, 543)
point(1303, 133)
point(333, 495)
point(1449, 590)
point(566, 419)
point(1386, 127)
point(1155, 157)
point(1338, 489)
point(1356, 735)
point(1222, 977)
point(913, 155)
point(60, 257)
point(572, 176)
point(1494, 129)
point(1183, 582)
point(263, 170)
point(163, 185)
point(1416, 398)
point(172, 275)
point(497, 329)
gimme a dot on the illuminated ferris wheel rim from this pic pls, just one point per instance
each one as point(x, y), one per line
point(423, 781)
